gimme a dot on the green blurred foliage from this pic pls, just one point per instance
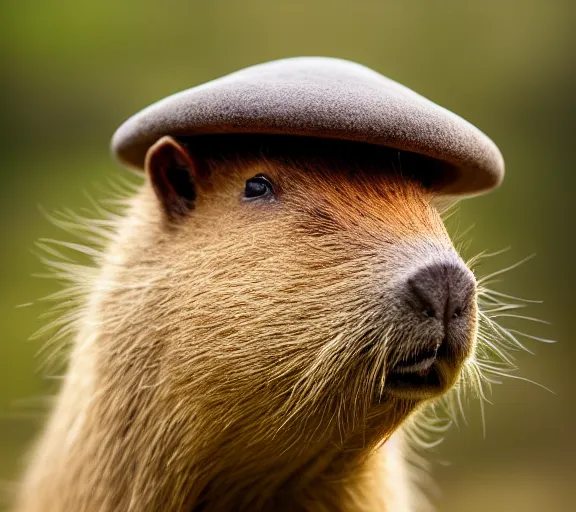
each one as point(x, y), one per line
point(72, 71)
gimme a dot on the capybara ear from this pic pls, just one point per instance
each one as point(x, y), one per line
point(173, 173)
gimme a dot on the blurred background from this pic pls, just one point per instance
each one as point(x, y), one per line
point(73, 71)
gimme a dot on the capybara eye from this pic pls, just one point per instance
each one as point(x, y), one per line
point(258, 186)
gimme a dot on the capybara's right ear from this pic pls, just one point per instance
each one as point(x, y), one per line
point(172, 173)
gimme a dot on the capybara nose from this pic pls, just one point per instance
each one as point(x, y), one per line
point(442, 291)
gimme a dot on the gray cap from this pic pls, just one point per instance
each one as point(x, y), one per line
point(320, 97)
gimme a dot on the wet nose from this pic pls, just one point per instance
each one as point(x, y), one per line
point(443, 291)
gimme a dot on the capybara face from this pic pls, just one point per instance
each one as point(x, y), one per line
point(309, 291)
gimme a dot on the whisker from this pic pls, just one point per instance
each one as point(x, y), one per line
point(483, 291)
point(521, 317)
point(506, 269)
point(530, 336)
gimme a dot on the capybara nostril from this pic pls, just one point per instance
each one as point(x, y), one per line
point(442, 291)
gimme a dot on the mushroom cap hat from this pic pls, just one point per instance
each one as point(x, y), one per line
point(326, 98)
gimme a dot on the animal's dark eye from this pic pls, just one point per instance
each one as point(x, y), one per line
point(258, 186)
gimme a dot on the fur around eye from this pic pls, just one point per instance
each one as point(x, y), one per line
point(257, 187)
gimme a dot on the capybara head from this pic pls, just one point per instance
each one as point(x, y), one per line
point(285, 293)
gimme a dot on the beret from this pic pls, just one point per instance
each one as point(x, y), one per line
point(320, 97)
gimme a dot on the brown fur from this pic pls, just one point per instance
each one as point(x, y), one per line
point(235, 359)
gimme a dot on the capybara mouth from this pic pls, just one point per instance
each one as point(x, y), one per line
point(418, 363)
point(422, 375)
point(428, 381)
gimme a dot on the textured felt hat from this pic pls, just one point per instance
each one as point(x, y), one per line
point(320, 97)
